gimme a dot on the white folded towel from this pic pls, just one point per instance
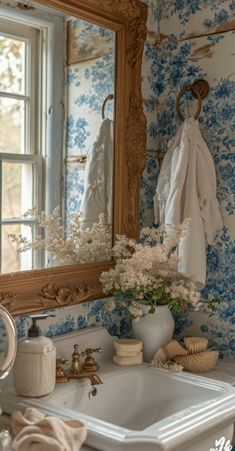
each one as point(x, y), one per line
point(34, 432)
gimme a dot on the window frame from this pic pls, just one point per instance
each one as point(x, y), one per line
point(49, 107)
point(32, 121)
point(27, 34)
point(36, 162)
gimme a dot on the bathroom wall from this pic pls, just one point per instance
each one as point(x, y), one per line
point(202, 46)
point(87, 314)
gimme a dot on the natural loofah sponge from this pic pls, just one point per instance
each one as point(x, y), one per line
point(173, 348)
point(200, 362)
point(195, 344)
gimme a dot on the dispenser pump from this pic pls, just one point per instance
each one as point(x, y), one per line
point(35, 330)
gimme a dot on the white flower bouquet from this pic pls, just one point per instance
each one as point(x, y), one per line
point(70, 246)
point(146, 272)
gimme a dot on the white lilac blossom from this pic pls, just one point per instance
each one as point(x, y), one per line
point(75, 245)
point(146, 272)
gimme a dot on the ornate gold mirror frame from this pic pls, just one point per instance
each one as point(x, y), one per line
point(30, 291)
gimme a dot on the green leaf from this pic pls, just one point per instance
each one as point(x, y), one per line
point(157, 294)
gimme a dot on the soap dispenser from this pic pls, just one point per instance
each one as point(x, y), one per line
point(35, 363)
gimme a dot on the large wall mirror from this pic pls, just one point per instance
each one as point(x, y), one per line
point(72, 145)
point(57, 139)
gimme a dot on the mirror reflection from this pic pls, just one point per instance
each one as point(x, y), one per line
point(57, 94)
point(3, 343)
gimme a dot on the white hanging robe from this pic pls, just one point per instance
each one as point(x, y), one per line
point(98, 187)
point(187, 189)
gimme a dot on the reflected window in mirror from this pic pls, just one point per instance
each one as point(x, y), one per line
point(56, 150)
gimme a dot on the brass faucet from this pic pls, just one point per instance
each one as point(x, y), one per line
point(76, 371)
point(61, 376)
point(90, 364)
point(75, 366)
point(94, 378)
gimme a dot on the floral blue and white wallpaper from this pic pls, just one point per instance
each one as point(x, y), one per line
point(185, 41)
point(88, 314)
point(180, 49)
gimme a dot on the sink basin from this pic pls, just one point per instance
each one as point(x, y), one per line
point(141, 408)
point(136, 398)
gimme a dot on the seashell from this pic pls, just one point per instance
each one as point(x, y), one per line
point(174, 348)
point(171, 366)
point(195, 344)
point(201, 362)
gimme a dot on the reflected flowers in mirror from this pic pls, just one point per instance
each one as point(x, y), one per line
point(70, 244)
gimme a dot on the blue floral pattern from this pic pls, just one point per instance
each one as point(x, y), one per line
point(78, 317)
point(77, 132)
point(185, 9)
point(225, 164)
point(148, 188)
point(100, 78)
point(217, 119)
point(220, 269)
point(171, 65)
point(75, 174)
point(219, 19)
point(194, 17)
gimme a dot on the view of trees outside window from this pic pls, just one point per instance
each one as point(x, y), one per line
point(14, 173)
point(12, 58)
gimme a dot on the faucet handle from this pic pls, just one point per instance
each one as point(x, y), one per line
point(90, 364)
point(60, 374)
point(75, 365)
point(62, 361)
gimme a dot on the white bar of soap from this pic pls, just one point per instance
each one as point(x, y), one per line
point(127, 353)
point(131, 360)
point(128, 347)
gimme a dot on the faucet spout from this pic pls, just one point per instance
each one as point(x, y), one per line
point(94, 378)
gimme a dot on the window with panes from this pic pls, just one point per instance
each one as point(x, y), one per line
point(20, 140)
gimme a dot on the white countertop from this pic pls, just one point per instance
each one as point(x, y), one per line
point(224, 371)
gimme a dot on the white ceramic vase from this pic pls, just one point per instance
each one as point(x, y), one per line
point(154, 330)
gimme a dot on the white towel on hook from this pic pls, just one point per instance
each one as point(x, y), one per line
point(98, 187)
point(187, 189)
